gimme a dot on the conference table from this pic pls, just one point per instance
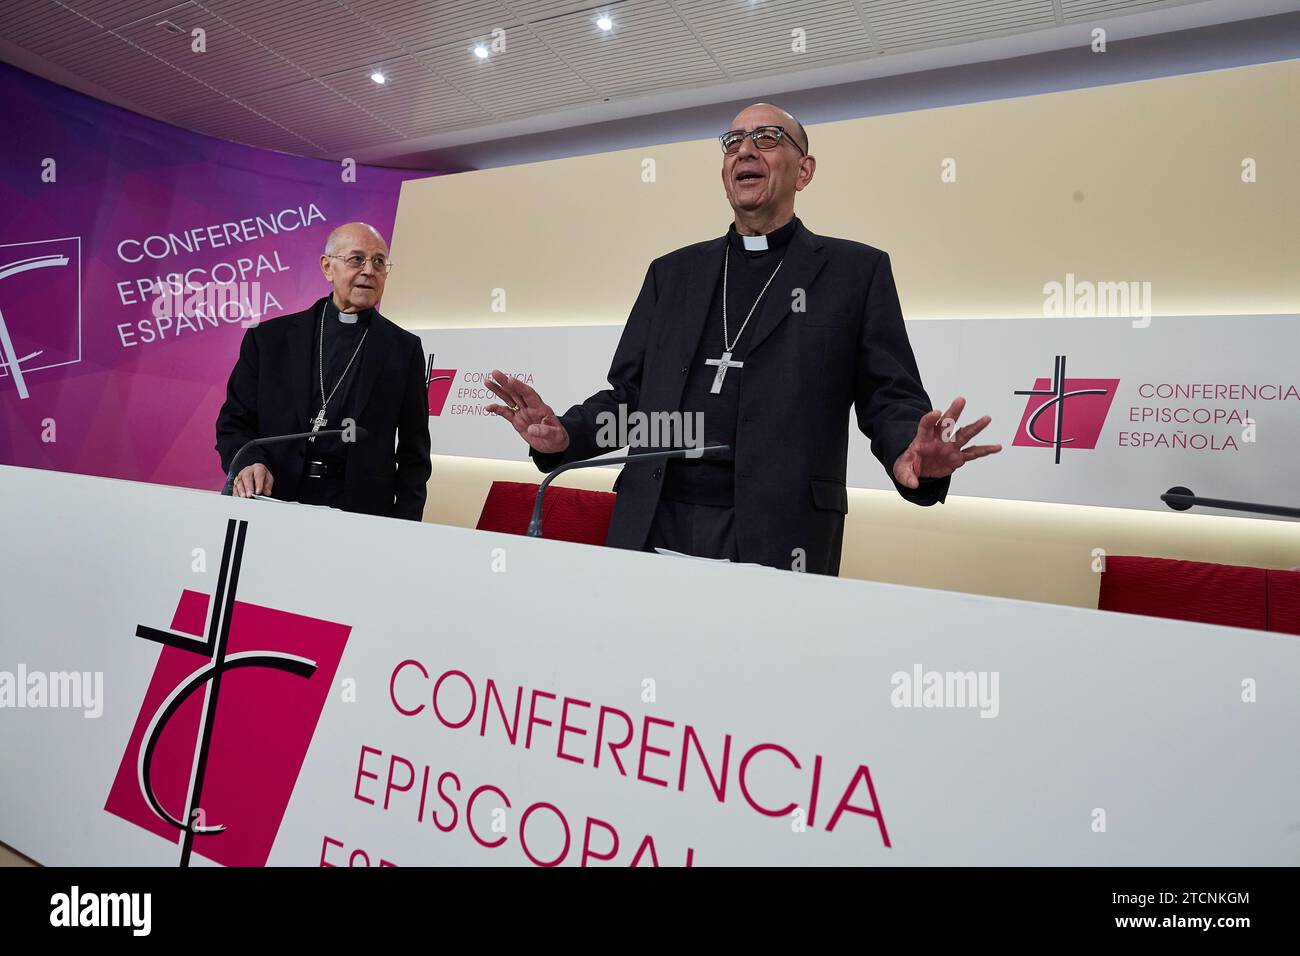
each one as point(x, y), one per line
point(191, 679)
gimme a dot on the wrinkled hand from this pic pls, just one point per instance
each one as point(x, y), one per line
point(253, 480)
point(532, 418)
point(932, 455)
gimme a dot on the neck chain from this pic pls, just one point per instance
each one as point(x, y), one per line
point(728, 345)
point(320, 421)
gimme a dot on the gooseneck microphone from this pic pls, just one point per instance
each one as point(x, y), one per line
point(1182, 499)
point(358, 434)
point(535, 523)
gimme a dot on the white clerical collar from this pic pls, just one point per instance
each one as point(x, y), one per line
point(755, 243)
point(348, 318)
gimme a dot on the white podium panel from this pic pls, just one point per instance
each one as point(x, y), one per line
point(191, 678)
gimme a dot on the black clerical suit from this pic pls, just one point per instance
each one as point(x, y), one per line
point(827, 335)
point(274, 389)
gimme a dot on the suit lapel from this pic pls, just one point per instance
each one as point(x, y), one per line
point(700, 283)
point(803, 262)
point(303, 385)
point(372, 360)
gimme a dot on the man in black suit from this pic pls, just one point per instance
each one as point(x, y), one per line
point(337, 364)
point(771, 334)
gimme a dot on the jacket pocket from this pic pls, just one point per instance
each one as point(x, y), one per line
point(832, 320)
point(829, 494)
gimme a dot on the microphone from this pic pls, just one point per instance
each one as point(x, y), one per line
point(535, 523)
point(1182, 499)
point(358, 433)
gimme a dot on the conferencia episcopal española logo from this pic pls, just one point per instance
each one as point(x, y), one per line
point(226, 721)
point(1065, 412)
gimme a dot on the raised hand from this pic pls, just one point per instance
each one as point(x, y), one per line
point(932, 455)
point(532, 418)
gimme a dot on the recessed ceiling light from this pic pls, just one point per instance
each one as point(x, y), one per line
point(481, 52)
point(379, 78)
point(605, 23)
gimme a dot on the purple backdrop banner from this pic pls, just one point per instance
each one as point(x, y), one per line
point(132, 256)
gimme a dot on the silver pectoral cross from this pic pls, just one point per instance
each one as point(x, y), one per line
point(723, 364)
point(319, 422)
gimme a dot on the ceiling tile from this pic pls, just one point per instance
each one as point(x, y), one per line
point(230, 61)
point(1085, 9)
point(758, 38)
point(413, 100)
point(423, 24)
point(317, 37)
point(229, 120)
point(116, 13)
point(525, 77)
point(316, 112)
point(535, 11)
point(649, 49)
point(906, 24)
point(141, 78)
point(43, 27)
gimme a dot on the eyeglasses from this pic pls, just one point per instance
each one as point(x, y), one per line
point(764, 137)
point(381, 263)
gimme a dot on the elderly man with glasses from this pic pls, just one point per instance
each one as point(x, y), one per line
point(337, 365)
point(772, 334)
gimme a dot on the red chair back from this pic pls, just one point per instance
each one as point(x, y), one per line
point(1284, 601)
point(1226, 594)
point(569, 514)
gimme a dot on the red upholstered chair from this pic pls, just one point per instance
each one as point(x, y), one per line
point(1197, 591)
point(569, 514)
point(1284, 601)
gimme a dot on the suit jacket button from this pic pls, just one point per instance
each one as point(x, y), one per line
point(657, 473)
point(683, 369)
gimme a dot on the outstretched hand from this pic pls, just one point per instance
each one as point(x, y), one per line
point(939, 448)
point(531, 417)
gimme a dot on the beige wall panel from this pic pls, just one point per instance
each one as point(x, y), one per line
point(1138, 181)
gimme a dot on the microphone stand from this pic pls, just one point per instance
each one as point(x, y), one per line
point(229, 488)
point(1181, 499)
point(535, 523)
